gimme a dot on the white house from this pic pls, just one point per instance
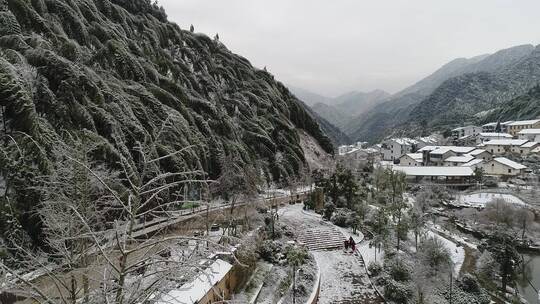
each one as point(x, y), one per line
point(503, 167)
point(502, 146)
point(435, 155)
point(480, 154)
point(475, 163)
point(526, 148)
point(489, 127)
point(394, 148)
point(465, 131)
point(359, 157)
point(483, 137)
point(411, 159)
point(454, 161)
point(530, 134)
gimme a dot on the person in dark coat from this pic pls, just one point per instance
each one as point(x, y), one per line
point(352, 243)
point(346, 244)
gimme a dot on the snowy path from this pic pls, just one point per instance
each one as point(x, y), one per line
point(343, 276)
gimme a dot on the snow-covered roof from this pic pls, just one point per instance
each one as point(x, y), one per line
point(476, 152)
point(506, 123)
point(498, 135)
point(506, 142)
point(524, 122)
point(435, 171)
point(529, 132)
point(444, 149)
point(529, 144)
point(432, 139)
point(491, 124)
point(473, 162)
point(405, 141)
point(463, 128)
point(459, 159)
point(194, 291)
point(510, 163)
point(415, 156)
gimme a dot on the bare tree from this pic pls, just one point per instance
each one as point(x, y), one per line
point(237, 180)
point(95, 224)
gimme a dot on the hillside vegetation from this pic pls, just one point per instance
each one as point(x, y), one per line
point(118, 74)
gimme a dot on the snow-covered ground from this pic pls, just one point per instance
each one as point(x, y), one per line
point(343, 277)
point(479, 200)
point(457, 252)
point(368, 253)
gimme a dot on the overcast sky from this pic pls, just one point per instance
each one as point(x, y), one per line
point(331, 47)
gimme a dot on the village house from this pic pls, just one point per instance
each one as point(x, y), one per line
point(475, 163)
point(530, 134)
point(487, 136)
point(469, 140)
point(492, 127)
point(489, 127)
point(503, 146)
point(359, 158)
point(411, 159)
point(502, 166)
point(215, 284)
point(348, 148)
point(515, 127)
point(526, 148)
point(480, 154)
point(392, 149)
point(465, 131)
point(436, 155)
point(454, 161)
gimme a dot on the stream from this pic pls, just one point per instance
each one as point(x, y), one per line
point(532, 272)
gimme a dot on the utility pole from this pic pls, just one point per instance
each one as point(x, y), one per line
point(294, 285)
point(451, 280)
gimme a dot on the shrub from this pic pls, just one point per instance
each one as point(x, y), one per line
point(398, 292)
point(398, 270)
point(269, 250)
point(340, 219)
point(374, 268)
point(329, 209)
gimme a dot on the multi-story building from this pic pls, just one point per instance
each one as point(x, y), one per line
point(492, 127)
point(503, 146)
point(436, 155)
point(487, 136)
point(392, 149)
point(517, 126)
point(466, 131)
point(530, 134)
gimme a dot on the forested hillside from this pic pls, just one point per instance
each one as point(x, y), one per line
point(117, 74)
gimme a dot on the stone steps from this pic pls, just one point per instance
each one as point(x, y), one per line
point(322, 239)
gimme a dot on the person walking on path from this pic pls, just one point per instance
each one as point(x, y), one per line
point(346, 245)
point(352, 243)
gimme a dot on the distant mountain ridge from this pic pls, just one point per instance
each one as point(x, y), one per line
point(462, 86)
point(341, 109)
